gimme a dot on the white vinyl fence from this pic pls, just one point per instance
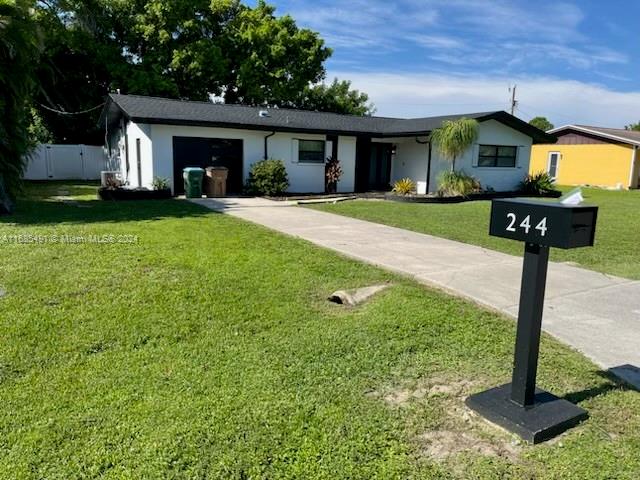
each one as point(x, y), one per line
point(66, 162)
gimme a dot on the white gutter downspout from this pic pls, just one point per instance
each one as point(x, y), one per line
point(633, 174)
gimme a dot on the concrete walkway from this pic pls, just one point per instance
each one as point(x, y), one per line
point(595, 313)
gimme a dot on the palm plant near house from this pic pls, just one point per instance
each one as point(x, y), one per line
point(454, 137)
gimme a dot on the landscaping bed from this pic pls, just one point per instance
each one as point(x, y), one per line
point(108, 193)
point(414, 198)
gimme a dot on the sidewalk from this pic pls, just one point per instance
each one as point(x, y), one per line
point(595, 313)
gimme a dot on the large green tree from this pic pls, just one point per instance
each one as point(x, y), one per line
point(337, 97)
point(19, 50)
point(188, 49)
point(542, 123)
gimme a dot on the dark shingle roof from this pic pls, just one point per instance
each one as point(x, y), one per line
point(630, 136)
point(178, 112)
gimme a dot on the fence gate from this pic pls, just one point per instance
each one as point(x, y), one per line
point(66, 162)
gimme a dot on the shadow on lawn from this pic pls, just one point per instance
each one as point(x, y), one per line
point(617, 378)
point(56, 202)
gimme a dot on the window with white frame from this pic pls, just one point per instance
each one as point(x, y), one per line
point(311, 151)
point(501, 156)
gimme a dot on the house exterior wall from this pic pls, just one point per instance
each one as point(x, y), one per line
point(140, 131)
point(411, 159)
point(603, 165)
point(303, 177)
point(162, 135)
point(347, 157)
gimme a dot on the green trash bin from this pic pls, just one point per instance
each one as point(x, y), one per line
point(193, 181)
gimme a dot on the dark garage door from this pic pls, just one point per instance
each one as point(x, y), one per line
point(207, 152)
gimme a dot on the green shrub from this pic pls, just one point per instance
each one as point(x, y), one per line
point(268, 177)
point(405, 186)
point(537, 184)
point(457, 184)
point(160, 183)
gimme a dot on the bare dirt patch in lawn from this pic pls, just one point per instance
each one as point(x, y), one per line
point(460, 429)
point(426, 388)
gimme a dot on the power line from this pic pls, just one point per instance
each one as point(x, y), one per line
point(60, 112)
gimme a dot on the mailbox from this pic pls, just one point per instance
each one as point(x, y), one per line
point(519, 406)
point(544, 223)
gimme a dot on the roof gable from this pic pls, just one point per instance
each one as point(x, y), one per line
point(610, 135)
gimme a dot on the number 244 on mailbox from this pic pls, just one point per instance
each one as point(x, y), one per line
point(544, 223)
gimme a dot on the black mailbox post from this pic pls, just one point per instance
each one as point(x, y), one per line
point(531, 413)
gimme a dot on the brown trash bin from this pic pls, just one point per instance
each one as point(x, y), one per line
point(215, 181)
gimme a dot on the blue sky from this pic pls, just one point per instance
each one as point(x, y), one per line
point(575, 62)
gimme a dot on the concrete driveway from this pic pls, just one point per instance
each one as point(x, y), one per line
point(595, 313)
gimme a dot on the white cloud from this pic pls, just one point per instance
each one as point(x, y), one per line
point(493, 35)
point(436, 41)
point(562, 101)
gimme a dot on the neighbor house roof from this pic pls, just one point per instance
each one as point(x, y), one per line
point(143, 109)
point(614, 134)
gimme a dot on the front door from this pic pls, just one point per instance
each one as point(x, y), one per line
point(380, 166)
point(373, 165)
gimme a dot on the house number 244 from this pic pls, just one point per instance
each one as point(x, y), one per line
point(526, 224)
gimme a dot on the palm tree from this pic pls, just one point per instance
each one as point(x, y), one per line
point(454, 137)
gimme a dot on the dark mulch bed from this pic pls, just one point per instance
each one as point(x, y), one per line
point(105, 193)
point(468, 198)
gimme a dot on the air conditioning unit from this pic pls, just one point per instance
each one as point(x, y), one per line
point(110, 178)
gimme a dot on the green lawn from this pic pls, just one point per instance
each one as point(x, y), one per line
point(617, 249)
point(206, 349)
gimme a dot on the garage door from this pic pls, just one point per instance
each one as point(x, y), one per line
point(207, 152)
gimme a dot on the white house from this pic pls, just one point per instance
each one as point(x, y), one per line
point(156, 137)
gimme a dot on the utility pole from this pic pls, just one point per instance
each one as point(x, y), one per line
point(514, 102)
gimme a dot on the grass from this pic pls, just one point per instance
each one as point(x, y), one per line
point(206, 349)
point(617, 249)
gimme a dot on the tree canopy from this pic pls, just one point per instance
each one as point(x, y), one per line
point(542, 123)
point(337, 97)
point(186, 49)
point(633, 126)
point(19, 50)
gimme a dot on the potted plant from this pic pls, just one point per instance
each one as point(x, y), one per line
point(332, 173)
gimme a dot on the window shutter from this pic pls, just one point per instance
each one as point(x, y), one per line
point(295, 151)
point(519, 150)
point(475, 152)
point(328, 149)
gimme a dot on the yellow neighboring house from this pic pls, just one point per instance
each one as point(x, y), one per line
point(602, 157)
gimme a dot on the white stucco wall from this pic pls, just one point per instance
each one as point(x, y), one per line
point(143, 132)
point(411, 159)
point(303, 177)
point(347, 157)
point(252, 145)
